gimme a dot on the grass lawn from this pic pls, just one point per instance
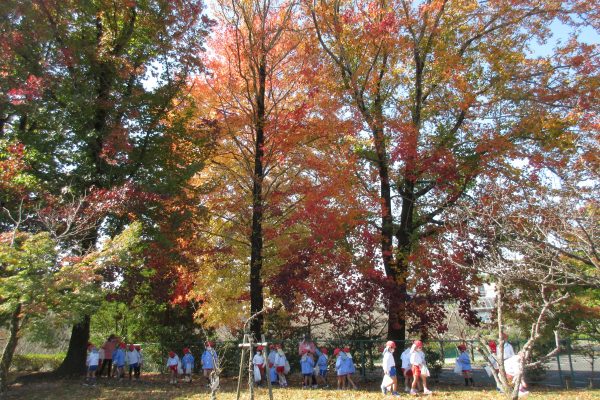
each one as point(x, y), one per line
point(156, 388)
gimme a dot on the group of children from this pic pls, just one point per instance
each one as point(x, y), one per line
point(314, 365)
point(414, 369)
point(116, 358)
point(185, 366)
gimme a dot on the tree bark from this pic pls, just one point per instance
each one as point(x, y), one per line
point(256, 239)
point(9, 348)
point(74, 362)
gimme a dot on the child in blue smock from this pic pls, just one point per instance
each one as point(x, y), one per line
point(208, 360)
point(465, 364)
point(349, 366)
point(119, 360)
point(187, 364)
point(307, 365)
point(322, 363)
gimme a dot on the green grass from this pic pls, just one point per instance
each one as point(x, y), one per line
point(156, 387)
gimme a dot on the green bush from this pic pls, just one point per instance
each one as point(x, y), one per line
point(36, 362)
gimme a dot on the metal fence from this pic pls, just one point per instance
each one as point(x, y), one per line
point(574, 366)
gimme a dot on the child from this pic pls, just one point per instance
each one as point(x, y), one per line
point(119, 360)
point(307, 365)
point(209, 359)
point(322, 363)
point(512, 366)
point(138, 348)
point(133, 360)
point(187, 363)
point(92, 361)
point(340, 367)
point(272, 369)
point(417, 359)
point(406, 369)
point(350, 368)
point(389, 369)
point(280, 361)
point(259, 363)
point(465, 364)
point(100, 361)
point(172, 365)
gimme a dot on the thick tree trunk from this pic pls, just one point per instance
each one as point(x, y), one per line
point(256, 239)
point(9, 348)
point(74, 362)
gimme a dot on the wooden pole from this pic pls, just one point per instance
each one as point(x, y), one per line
point(250, 369)
point(239, 385)
point(267, 369)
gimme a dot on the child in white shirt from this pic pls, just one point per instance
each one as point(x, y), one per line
point(173, 366)
point(417, 360)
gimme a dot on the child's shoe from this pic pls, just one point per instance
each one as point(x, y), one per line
point(384, 390)
point(413, 392)
point(427, 391)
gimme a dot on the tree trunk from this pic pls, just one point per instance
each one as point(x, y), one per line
point(256, 239)
point(9, 348)
point(74, 362)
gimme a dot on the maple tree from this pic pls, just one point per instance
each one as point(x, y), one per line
point(446, 92)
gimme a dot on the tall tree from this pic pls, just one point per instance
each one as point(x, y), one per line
point(92, 83)
point(447, 92)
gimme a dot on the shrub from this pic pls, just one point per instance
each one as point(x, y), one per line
point(36, 362)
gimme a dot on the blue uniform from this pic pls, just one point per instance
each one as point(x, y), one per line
point(208, 358)
point(341, 365)
point(187, 362)
point(119, 358)
point(322, 363)
point(307, 364)
point(349, 367)
point(465, 361)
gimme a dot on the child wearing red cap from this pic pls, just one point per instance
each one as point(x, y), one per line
point(465, 364)
point(173, 366)
point(350, 368)
point(138, 348)
point(133, 361)
point(280, 366)
point(322, 364)
point(119, 360)
point(307, 365)
point(339, 368)
point(187, 364)
point(258, 361)
point(417, 360)
point(208, 360)
point(271, 362)
point(390, 379)
point(406, 369)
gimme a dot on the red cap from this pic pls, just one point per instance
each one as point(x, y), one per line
point(259, 348)
point(186, 350)
point(131, 347)
point(171, 354)
point(138, 347)
point(271, 346)
point(209, 344)
point(123, 345)
point(336, 352)
point(492, 345)
point(324, 350)
point(418, 344)
point(391, 344)
point(346, 349)
point(304, 351)
point(462, 347)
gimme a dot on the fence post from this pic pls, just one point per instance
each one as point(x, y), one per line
point(570, 362)
point(364, 360)
point(560, 375)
